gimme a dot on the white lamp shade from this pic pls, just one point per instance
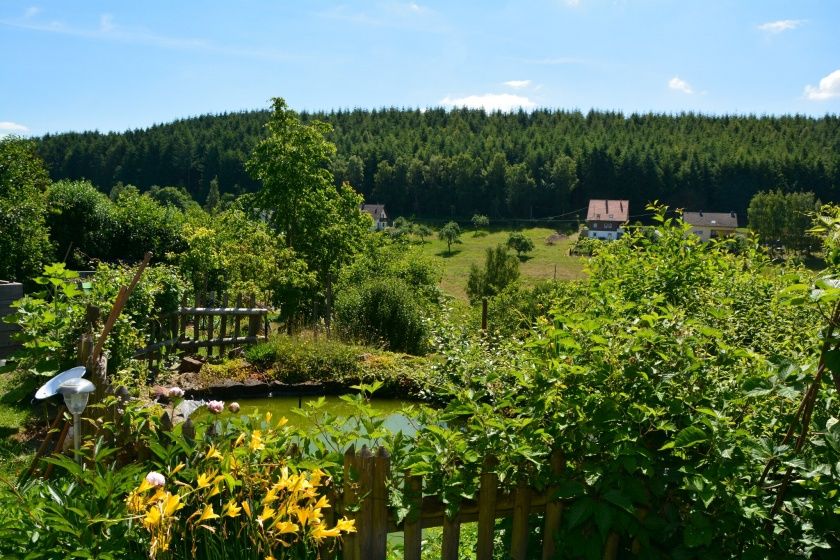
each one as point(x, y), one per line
point(76, 392)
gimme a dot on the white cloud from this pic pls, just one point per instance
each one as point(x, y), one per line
point(780, 25)
point(416, 8)
point(106, 23)
point(109, 30)
point(678, 84)
point(490, 102)
point(553, 61)
point(8, 127)
point(518, 84)
point(572, 3)
point(31, 12)
point(829, 87)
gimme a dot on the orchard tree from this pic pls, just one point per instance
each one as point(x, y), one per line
point(321, 223)
point(783, 218)
point(480, 221)
point(422, 231)
point(24, 241)
point(520, 243)
point(500, 270)
point(450, 233)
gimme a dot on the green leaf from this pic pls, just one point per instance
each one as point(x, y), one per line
point(687, 437)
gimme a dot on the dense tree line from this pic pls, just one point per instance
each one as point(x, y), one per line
point(439, 164)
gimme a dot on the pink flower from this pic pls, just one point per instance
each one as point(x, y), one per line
point(155, 479)
point(175, 392)
point(233, 407)
point(216, 407)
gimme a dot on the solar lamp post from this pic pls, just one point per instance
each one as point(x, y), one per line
point(76, 392)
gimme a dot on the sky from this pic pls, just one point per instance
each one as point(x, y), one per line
point(118, 65)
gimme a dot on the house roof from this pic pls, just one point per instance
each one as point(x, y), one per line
point(608, 210)
point(375, 210)
point(711, 219)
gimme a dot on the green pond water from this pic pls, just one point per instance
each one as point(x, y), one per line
point(397, 418)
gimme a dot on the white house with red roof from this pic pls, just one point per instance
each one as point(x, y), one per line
point(605, 218)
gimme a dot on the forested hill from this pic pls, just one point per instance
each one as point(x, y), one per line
point(440, 163)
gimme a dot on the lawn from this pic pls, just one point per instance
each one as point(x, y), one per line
point(540, 264)
point(15, 453)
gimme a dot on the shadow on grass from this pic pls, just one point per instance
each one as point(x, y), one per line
point(447, 254)
point(525, 258)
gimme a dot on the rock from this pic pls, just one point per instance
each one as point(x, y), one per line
point(190, 364)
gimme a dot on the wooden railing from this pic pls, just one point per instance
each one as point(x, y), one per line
point(365, 498)
point(215, 328)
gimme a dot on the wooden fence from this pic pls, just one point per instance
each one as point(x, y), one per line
point(365, 499)
point(203, 325)
point(9, 292)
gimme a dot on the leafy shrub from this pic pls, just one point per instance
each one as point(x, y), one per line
point(24, 240)
point(52, 320)
point(82, 219)
point(385, 311)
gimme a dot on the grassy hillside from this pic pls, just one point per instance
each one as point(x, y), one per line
point(538, 265)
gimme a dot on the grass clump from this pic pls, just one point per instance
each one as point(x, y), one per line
point(305, 360)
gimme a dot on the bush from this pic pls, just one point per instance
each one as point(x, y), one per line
point(52, 320)
point(82, 219)
point(383, 311)
point(24, 240)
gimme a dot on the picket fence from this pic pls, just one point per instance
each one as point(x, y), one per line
point(364, 497)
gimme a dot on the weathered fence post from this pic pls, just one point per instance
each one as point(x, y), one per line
point(379, 502)
point(487, 490)
point(553, 508)
point(364, 520)
point(519, 533)
point(412, 529)
point(223, 328)
point(484, 315)
point(349, 499)
point(451, 537)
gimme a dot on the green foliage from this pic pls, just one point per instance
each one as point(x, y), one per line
point(177, 197)
point(500, 270)
point(520, 243)
point(440, 160)
point(24, 242)
point(82, 221)
point(213, 196)
point(51, 321)
point(144, 225)
point(304, 360)
point(79, 515)
point(783, 218)
point(383, 311)
point(323, 224)
point(480, 221)
point(450, 233)
point(235, 253)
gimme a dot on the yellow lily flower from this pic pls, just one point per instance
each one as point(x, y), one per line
point(207, 514)
point(214, 453)
point(231, 509)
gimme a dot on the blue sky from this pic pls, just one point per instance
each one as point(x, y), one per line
point(109, 65)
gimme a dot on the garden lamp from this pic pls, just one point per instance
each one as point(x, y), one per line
point(76, 392)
